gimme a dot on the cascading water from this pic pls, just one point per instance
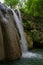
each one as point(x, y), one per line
point(20, 27)
point(25, 53)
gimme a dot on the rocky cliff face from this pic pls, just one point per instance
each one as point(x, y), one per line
point(9, 37)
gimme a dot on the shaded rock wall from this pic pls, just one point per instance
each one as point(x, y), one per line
point(9, 37)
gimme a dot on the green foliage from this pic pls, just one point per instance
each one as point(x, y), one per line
point(11, 3)
point(35, 35)
point(35, 7)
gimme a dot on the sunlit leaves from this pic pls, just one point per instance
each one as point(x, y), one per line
point(11, 3)
point(35, 7)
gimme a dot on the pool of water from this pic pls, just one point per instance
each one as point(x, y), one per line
point(28, 60)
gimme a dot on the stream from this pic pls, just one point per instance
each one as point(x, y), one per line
point(27, 61)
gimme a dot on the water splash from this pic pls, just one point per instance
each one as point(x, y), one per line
point(31, 55)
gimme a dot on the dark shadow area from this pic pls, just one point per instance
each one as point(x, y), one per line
point(37, 45)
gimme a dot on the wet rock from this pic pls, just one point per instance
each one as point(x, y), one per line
point(9, 39)
point(2, 52)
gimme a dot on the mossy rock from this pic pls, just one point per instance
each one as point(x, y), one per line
point(29, 41)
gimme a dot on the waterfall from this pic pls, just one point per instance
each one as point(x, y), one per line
point(5, 19)
point(25, 53)
point(21, 31)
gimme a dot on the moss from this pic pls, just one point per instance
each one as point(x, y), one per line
point(29, 41)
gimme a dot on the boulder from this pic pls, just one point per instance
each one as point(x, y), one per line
point(9, 37)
